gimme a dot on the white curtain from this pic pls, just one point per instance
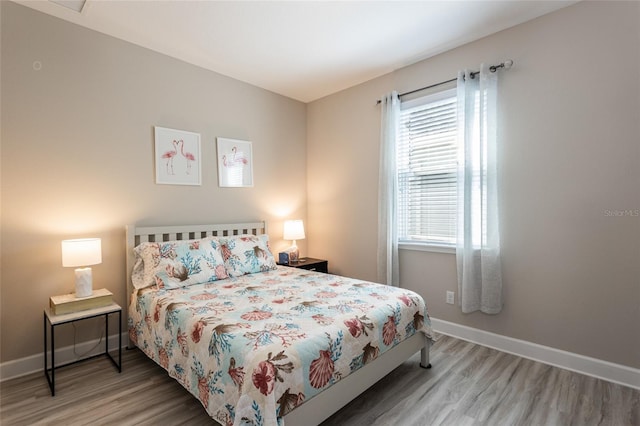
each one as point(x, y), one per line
point(388, 269)
point(478, 236)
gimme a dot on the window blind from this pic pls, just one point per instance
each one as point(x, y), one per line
point(427, 169)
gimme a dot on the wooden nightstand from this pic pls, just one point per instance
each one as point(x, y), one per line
point(311, 264)
point(55, 320)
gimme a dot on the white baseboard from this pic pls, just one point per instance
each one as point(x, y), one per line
point(594, 367)
point(35, 363)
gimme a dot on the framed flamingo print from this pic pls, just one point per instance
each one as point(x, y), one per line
point(177, 155)
point(235, 163)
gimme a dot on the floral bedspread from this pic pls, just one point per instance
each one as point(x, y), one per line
point(253, 348)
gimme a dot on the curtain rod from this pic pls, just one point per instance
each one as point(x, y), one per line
point(493, 68)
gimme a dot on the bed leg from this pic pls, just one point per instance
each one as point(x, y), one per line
point(424, 356)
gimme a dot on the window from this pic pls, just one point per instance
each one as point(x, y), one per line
point(427, 169)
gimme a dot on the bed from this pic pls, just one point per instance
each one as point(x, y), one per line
point(257, 343)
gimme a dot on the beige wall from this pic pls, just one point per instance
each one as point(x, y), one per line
point(570, 111)
point(77, 158)
point(77, 146)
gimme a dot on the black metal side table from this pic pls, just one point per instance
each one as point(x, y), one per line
point(55, 320)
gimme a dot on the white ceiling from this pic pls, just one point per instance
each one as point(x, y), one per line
point(300, 49)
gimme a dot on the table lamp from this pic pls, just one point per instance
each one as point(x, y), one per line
point(82, 252)
point(293, 230)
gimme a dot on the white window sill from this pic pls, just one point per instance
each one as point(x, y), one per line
point(431, 247)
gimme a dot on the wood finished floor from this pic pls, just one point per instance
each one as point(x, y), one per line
point(468, 385)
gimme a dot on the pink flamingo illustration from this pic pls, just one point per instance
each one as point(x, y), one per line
point(169, 157)
point(189, 156)
point(240, 159)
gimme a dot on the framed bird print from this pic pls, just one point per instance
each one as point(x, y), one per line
point(177, 155)
point(235, 163)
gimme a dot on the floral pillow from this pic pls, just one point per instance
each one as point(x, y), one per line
point(247, 254)
point(174, 264)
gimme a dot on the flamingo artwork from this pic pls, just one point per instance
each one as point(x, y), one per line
point(177, 157)
point(169, 157)
point(238, 158)
point(189, 156)
point(235, 163)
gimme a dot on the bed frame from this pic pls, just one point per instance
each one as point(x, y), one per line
point(323, 405)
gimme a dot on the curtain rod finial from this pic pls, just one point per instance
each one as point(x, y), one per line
point(508, 64)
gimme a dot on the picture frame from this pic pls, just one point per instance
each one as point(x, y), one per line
point(235, 163)
point(177, 157)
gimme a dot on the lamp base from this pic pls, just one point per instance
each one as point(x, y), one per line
point(84, 282)
point(294, 254)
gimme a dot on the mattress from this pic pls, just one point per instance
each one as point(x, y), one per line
point(253, 348)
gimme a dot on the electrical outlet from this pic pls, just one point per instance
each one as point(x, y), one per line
point(451, 297)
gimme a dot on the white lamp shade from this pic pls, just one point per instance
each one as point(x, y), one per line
point(81, 252)
point(293, 230)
